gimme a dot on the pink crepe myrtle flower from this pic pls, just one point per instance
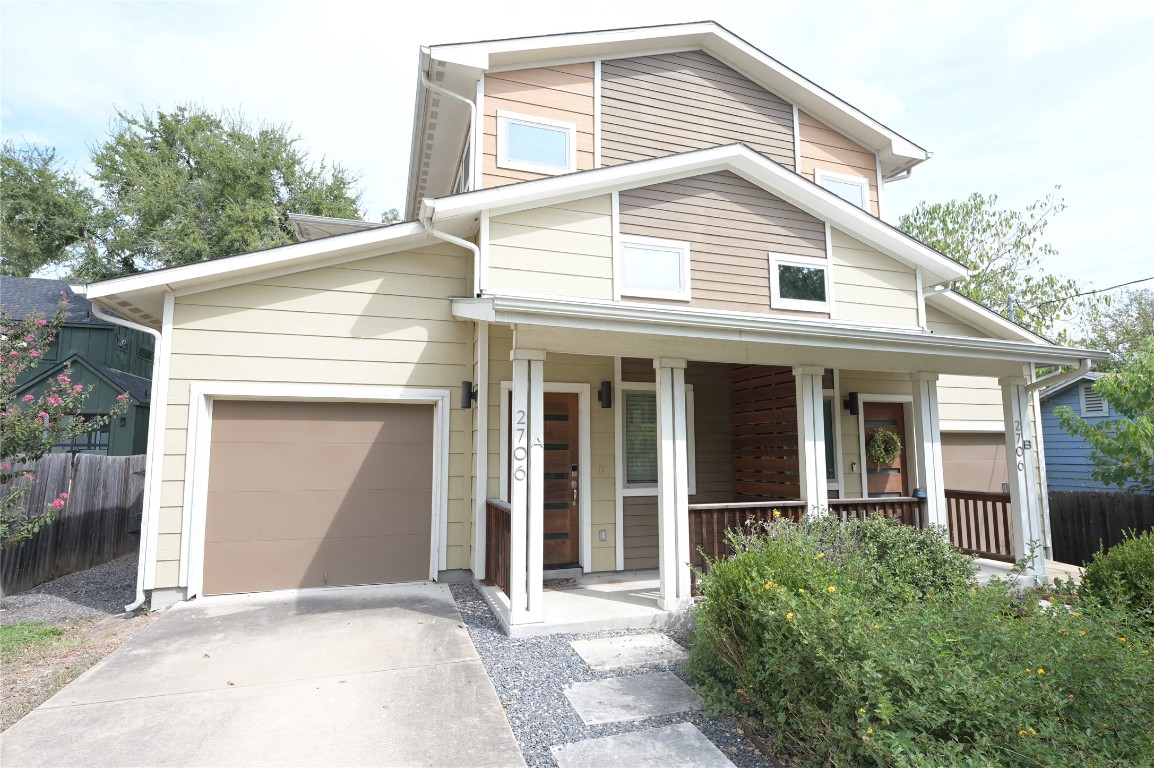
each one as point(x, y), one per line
point(42, 322)
point(64, 495)
point(27, 398)
point(34, 353)
point(63, 379)
point(78, 388)
point(30, 339)
point(57, 503)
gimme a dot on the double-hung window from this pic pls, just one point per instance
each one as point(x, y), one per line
point(639, 438)
point(654, 268)
point(535, 144)
point(853, 189)
point(797, 282)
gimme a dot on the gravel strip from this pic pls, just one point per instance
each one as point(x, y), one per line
point(103, 590)
point(531, 675)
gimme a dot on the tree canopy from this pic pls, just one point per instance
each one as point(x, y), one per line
point(1006, 250)
point(1121, 326)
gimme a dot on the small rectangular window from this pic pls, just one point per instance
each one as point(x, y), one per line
point(639, 438)
point(852, 189)
point(799, 283)
point(535, 144)
point(1093, 404)
point(655, 268)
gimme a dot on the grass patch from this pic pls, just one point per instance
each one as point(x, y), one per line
point(14, 638)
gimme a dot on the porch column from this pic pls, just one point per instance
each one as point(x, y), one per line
point(526, 491)
point(928, 446)
point(811, 437)
point(1021, 460)
point(672, 485)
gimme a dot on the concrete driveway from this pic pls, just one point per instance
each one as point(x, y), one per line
point(349, 676)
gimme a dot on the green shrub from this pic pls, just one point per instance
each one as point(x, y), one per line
point(796, 635)
point(1123, 576)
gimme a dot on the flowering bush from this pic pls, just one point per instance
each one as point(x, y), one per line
point(796, 636)
point(1123, 576)
point(30, 425)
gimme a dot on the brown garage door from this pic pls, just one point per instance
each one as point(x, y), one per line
point(974, 461)
point(317, 494)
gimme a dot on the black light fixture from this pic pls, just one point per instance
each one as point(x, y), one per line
point(852, 404)
point(468, 395)
point(605, 394)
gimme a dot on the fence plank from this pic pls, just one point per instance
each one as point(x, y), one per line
point(1081, 521)
point(105, 494)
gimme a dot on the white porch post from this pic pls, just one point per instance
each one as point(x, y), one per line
point(928, 446)
point(811, 437)
point(1021, 460)
point(672, 485)
point(526, 492)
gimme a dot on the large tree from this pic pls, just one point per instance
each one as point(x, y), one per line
point(45, 211)
point(1121, 326)
point(1006, 250)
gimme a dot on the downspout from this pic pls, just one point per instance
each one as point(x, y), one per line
point(425, 81)
point(425, 215)
point(150, 445)
point(1058, 377)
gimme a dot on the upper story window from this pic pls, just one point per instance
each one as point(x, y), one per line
point(535, 144)
point(796, 282)
point(654, 268)
point(853, 189)
point(1093, 404)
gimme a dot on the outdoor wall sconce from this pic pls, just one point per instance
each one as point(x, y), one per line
point(468, 395)
point(605, 394)
point(852, 404)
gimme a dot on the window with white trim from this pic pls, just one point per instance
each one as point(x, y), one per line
point(535, 144)
point(1093, 404)
point(654, 268)
point(796, 282)
point(852, 189)
point(639, 438)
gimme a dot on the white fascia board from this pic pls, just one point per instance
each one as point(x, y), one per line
point(733, 326)
point(300, 254)
point(737, 158)
point(969, 311)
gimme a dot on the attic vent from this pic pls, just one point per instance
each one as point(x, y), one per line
point(1093, 404)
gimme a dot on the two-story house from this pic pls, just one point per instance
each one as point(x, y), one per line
point(643, 279)
point(108, 358)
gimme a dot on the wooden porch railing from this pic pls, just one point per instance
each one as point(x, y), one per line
point(709, 525)
point(497, 543)
point(980, 524)
point(908, 510)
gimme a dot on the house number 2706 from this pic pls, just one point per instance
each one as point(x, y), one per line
point(520, 452)
point(1023, 446)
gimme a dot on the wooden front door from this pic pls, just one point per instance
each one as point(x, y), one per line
point(891, 481)
point(562, 479)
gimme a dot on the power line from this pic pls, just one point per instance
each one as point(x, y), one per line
point(1089, 293)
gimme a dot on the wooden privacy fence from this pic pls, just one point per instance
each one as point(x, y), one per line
point(1081, 521)
point(980, 524)
point(98, 523)
point(497, 543)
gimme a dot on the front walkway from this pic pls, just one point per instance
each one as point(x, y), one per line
point(342, 676)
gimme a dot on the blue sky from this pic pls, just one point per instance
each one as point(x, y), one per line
point(1012, 98)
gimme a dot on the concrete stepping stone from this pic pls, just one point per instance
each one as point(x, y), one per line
point(606, 653)
point(631, 698)
point(673, 746)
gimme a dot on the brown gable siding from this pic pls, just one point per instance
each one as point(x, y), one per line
point(654, 106)
point(732, 225)
point(822, 147)
point(562, 92)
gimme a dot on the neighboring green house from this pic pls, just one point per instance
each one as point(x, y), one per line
point(112, 359)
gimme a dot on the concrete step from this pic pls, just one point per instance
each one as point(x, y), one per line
point(674, 746)
point(637, 697)
point(605, 653)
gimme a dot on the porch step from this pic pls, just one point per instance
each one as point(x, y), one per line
point(668, 747)
point(637, 697)
point(563, 572)
point(605, 653)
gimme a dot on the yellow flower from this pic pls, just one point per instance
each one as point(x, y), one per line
point(776, 513)
point(1122, 639)
point(831, 590)
point(769, 585)
point(1077, 613)
point(801, 591)
point(1041, 671)
point(1021, 732)
point(789, 617)
point(820, 555)
point(876, 626)
point(1082, 632)
point(861, 710)
point(869, 731)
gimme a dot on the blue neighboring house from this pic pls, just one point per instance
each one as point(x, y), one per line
point(1067, 457)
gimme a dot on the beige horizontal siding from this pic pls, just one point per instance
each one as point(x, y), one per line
point(562, 92)
point(383, 320)
point(970, 402)
point(824, 148)
point(652, 106)
point(940, 322)
point(732, 225)
point(870, 286)
point(560, 250)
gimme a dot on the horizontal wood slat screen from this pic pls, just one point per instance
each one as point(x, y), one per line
point(764, 437)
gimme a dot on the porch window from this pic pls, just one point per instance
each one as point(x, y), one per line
point(639, 439)
point(830, 452)
point(535, 144)
point(655, 268)
point(799, 283)
point(852, 189)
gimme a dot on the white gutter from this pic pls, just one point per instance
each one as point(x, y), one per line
point(1058, 377)
point(425, 216)
point(151, 487)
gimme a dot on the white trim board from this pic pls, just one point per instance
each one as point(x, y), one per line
point(199, 439)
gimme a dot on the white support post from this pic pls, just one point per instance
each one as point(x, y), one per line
point(672, 485)
point(526, 488)
point(928, 446)
point(1022, 461)
point(811, 437)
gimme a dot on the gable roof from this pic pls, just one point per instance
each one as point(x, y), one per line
point(737, 158)
point(1050, 392)
point(23, 296)
point(137, 387)
point(457, 66)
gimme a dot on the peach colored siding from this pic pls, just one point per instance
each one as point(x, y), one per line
point(731, 226)
point(823, 147)
point(653, 106)
point(563, 92)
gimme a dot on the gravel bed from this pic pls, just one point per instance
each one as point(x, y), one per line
point(102, 590)
point(531, 675)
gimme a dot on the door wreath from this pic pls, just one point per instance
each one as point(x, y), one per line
point(884, 448)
